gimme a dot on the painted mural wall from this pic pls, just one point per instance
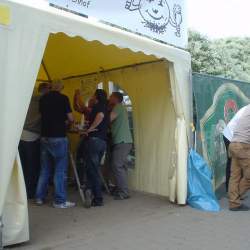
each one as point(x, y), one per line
point(216, 101)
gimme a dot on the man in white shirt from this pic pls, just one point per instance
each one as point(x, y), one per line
point(228, 136)
point(239, 150)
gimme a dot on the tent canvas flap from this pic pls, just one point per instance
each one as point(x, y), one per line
point(21, 50)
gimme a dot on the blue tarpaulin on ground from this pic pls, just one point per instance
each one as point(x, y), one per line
point(200, 189)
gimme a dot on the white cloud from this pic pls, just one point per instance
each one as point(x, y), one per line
point(220, 18)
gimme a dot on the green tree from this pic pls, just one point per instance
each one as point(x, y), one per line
point(228, 57)
point(203, 55)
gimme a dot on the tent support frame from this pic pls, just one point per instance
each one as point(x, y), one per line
point(46, 71)
point(106, 71)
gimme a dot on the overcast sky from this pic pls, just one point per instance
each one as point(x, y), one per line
point(220, 18)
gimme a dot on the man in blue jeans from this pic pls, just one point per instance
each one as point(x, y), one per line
point(55, 113)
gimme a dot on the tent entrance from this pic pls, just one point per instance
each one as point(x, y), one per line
point(146, 80)
point(86, 65)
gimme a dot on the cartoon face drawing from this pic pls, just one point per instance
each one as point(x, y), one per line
point(155, 12)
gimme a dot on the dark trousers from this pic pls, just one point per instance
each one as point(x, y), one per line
point(30, 159)
point(120, 154)
point(81, 160)
point(228, 167)
point(95, 149)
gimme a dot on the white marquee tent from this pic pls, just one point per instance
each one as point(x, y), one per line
point(26, 28)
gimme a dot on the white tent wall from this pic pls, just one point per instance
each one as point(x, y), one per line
point(22, 44)
point(182, 99)
point(21, 49)
point(15, 220)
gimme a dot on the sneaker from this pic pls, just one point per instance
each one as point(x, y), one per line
point(66, 204)
point(240, 208)
point(39, 202)
point(121, 196)
point(88, 198)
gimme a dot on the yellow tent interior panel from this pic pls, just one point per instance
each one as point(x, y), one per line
point(83, 65)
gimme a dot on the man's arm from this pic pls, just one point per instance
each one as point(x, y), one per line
point(70, 117)
point(113, 116)
point(68, 111)
point(117, 110)
point(79, 105)
point(98, 119)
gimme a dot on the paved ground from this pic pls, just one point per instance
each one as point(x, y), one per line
point(141, 223)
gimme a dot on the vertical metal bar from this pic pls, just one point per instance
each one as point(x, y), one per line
point(46, 70)
point(1, 233)
point(77, 177)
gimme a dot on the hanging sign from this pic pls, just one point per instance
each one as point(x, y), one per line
point(164, 20)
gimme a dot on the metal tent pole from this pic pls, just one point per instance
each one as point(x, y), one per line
point(46, 71)
point(113, 69)
point(102, 70)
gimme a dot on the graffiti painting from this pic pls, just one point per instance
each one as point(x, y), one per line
point(156, 15)
point(227, 100)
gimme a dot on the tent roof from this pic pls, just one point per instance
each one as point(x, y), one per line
point(57, 20)
point(38, 20)
point(83, 57)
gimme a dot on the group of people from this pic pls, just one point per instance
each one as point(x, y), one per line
point(44, 146)
point(237, 141)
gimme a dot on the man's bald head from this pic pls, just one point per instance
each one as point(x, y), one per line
point(57, 85)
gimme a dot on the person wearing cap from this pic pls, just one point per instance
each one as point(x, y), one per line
point(55, 114)
point(29, 145)
point(121, 144)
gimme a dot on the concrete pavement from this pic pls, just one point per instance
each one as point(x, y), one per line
point(142, 223)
